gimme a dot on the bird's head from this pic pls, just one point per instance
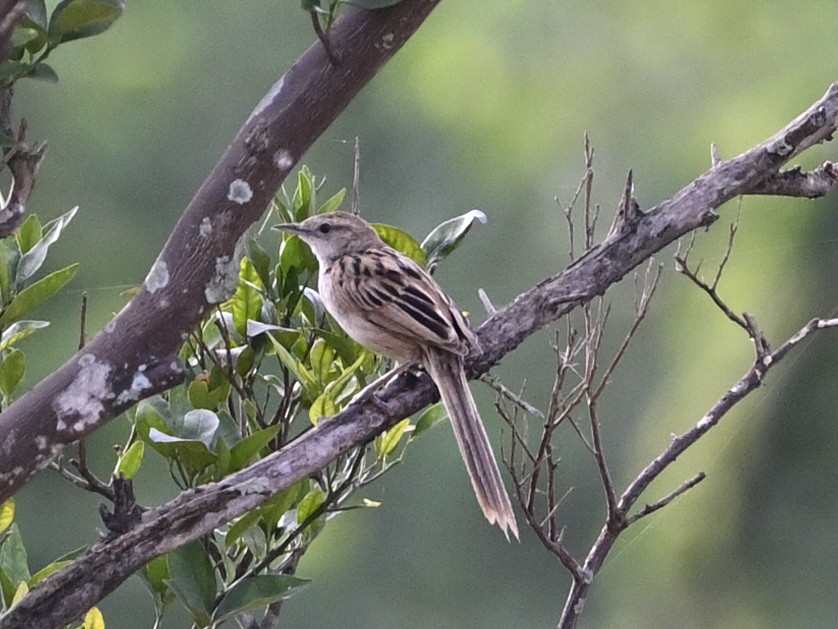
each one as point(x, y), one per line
point(334, 234)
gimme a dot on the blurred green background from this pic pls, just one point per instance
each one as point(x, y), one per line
point(486, 107)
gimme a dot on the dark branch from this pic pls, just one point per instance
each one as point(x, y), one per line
point(796, 183)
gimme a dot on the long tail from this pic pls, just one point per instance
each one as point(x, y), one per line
point(448, 373)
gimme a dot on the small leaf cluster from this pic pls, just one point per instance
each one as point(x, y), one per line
point(21, 257)
point(266, 366)
point(37, 34)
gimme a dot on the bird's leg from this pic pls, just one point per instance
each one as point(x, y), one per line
point(369, 391)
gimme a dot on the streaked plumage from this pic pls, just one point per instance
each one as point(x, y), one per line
point(389, 304)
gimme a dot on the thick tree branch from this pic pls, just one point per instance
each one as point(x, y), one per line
point(135, 355)
point(197, 512)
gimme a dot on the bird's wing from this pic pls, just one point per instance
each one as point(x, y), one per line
point(397, 296)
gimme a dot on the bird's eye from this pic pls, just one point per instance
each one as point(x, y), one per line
point(325, 228)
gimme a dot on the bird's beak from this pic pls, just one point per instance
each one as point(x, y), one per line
point(291, 228)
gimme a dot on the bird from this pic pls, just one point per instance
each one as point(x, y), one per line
point(389, 304)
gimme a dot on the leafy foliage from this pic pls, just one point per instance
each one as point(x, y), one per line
point(267, 365)
point(15, 577)
point(37, 36)
point(21, 257)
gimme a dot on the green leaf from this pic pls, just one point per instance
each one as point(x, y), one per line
point(20, 330)
point(155, 574)
point(73, 554)
point(260, 260)
point(191, 443)
point(256, 592)
point(93, 619)
point(32, 260)
point(304, 196)
point(7, 514)
point(35, 294)
point(320, 358)
point(192, 579)
point(292, 364)
point(246, 302)
point(337, 389)
point(430, 418)
point(346, 348)
point(129, 463)
point(21, 591)
point(204, 393)
point(7, 588)
point(238, 528)
point(274, 508)
point(309, 505)
point(246, 359)
point(198, 425)
point(152, 412)
point(75, 19)
point(221, 466)
point(193, 455)
point(246, 450)
point(43, 72)
point(11, 372)
point(9, 260)
point(401, 241)
point(443, 240)
point(14, 69)
point(198, 394)
point(333, 202)
point(36, 12)
point(296, 255)
point(22, 35)
point(13, 559)
point(323, 406)
point(29, 233)
point(386, 442)
point(32, 24)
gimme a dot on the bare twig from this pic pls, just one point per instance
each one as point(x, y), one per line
point(83, 320)
point(609, 533)
point(660, 504)
point(488, 306)
point(682, 266)
point(734, 227)
point(515, 398)
point(93, 482)
point(355, 208)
